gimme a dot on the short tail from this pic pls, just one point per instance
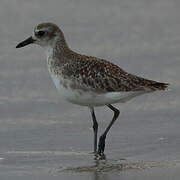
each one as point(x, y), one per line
point(158, 86)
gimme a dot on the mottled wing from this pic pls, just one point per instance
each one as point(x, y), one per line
point(90, 73)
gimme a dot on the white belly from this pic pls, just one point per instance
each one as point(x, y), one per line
point(89, 98)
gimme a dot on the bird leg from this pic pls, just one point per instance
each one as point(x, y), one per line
point(101, 145)
point(95, 128)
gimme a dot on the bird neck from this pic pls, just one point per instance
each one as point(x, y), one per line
point(58, 48)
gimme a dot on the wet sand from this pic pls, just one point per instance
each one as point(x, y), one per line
point(43, 137)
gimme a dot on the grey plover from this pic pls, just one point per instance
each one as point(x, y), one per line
point(87, 80)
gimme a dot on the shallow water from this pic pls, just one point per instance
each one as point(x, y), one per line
point(43, 137)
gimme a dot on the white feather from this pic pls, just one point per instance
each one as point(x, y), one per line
point(89, 98)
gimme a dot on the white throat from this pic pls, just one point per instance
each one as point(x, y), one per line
point(48, 51)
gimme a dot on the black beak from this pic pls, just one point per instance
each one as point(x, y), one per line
point(29, 40)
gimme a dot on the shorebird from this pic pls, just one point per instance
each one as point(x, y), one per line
point(86, 80)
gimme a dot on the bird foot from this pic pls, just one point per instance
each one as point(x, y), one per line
point(98, 156)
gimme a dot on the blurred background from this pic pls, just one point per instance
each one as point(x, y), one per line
point(141, 36)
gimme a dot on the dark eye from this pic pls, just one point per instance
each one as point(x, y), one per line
point(40, 33)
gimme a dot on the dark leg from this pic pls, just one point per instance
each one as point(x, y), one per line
point(95, 128)
point(101, 145)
